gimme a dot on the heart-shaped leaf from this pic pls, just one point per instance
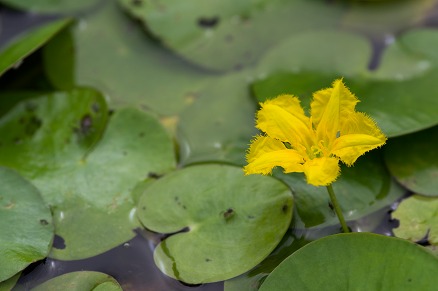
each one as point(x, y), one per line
point(9, 283)
point(226, 222)
point(84, 167)
point(418, 217)
point(129, 67)
point(80, 281)
point(26, 226)
point(413, 161)
point(200, 31)
point(356, 261)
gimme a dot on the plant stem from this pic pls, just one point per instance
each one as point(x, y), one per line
point(337, 208)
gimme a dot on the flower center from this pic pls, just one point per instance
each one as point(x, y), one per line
point(315, 152)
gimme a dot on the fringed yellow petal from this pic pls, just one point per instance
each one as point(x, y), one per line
point(325, 102)
point(265, 153)
point(350, 147)
point(321, 171)
point(334, 132)
point(291, 104)
point(360, 123)
point(328, 125)
point(359, 135)
point(283, 118)
point(263, 144)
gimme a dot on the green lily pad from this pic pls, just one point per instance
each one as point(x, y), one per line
point(418, 216)
point(9, 283)
point(347, 54)
point(421, 41)
point(84, 167)
point(41, 133)
point(433, 249)
point(130, 68)
point(222, 222)
point(12, 98)
point(219, 124)
point(344, 53)
point(356, 261)
point(50, 6)
point(59, 61)
point(28, 42)
point(25, 224)
point(251, 280)
point(199, 31)
point(80, 281)
point(414, 110)
point(397, 62)
point(384, 17)
point(297, 237)
point(413, 160)
point(361, 189)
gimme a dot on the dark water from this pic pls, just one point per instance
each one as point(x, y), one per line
point(131, 264)
point(12, 23)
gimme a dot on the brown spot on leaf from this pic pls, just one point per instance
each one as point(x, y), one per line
point(208, 22)
point(285, 208)
point(95, 107)
point(154, 175)
point(137, 2)
point(86, 124)
point(229, 213)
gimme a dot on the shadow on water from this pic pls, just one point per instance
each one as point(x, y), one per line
point(131, 264)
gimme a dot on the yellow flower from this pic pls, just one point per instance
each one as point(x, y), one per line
point(297, 143)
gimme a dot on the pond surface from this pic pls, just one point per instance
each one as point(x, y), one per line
point(131, 263)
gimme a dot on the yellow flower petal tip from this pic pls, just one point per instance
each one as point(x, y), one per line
point(334, 132)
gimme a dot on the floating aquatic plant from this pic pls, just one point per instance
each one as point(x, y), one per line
point(314, 145)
